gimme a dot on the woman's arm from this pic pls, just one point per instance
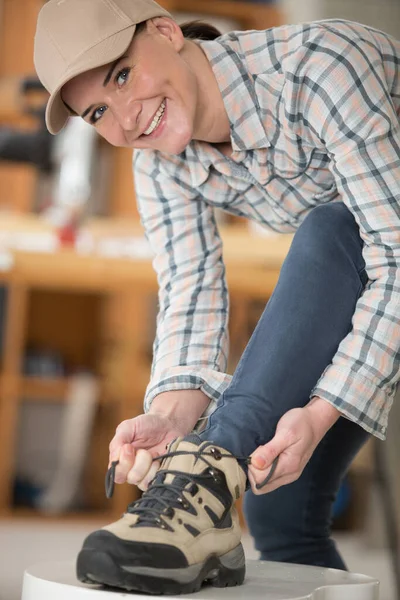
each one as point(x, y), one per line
point(191, 345)
point(354, 114)
point(183, 407)
point(344, 103)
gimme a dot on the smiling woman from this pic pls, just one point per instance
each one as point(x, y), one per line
point(297, 128)
point(157, 95)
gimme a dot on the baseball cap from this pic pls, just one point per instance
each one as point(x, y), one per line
point(75, 36)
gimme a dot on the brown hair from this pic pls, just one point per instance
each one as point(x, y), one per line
point(199, 30)
point(192, 30)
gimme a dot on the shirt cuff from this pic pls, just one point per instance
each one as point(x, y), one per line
point(358, 398)
point(210, 382)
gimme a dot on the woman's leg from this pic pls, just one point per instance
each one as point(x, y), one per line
point(306, 318)
point(293, 523)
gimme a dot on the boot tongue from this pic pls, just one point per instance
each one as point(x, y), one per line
point(183, 462)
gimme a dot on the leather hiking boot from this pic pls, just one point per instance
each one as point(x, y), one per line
point(183, 531)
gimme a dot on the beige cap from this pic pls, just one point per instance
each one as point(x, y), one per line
point(74, 36)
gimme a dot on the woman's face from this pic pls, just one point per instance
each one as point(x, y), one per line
point(147, 99)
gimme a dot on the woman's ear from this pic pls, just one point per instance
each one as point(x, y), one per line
point(167, 28)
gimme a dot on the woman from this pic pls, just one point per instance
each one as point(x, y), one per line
point(297, 128)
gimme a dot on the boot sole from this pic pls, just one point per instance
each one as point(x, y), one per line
point(218, 571)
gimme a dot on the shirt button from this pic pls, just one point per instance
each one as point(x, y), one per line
point(383, 429)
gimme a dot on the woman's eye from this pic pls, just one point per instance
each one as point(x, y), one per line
point(122, 76)
point(97, 114)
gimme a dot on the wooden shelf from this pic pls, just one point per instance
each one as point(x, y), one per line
point(249, 15)
point(44, 388)
point(54, 390)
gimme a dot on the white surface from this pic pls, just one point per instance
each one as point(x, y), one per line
point(264, 580)
point(26, 542)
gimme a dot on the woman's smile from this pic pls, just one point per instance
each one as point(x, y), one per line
point(156, 121)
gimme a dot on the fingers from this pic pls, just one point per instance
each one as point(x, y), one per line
point(264, 456)
point(124, 434)
point(140, 468)
point(256, 477)
point(135, 467)
point(144, 484)
point(275, 460)
point(269, 476)
point(127, 456)
point(289, 467)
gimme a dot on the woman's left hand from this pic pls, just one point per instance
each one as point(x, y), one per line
point(297, 435)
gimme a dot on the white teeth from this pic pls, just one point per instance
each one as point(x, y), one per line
point(156, 121)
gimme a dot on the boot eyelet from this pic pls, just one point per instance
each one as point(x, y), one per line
point(215, 474)
point(194, 489)
point(216, 453)
point(185, 504)
point(169, 512)
point(160, 523)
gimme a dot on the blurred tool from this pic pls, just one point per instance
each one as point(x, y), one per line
point(80, 410)
point(25, 146)
point(68, 158)
point(74, 154)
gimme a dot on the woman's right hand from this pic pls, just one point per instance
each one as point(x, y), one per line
point(136, 442)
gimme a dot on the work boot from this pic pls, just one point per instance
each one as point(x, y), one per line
point(182, 532)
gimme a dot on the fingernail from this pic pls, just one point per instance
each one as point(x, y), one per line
point(128, 450)
point(259, 462)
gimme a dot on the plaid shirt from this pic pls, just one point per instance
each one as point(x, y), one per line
point(314, 113)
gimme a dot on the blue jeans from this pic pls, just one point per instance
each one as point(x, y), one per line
point(306, 318)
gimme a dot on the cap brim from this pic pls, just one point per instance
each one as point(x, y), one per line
point(102, 54)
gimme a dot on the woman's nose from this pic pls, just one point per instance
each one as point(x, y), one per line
point(127, 116)
point(127, 121)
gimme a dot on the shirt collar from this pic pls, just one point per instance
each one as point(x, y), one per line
point(198, 162)
point(236, 85)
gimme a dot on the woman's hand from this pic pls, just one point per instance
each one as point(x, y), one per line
point(136, 442)
point(297, 435)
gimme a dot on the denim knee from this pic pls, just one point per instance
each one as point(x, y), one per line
point(330, 235)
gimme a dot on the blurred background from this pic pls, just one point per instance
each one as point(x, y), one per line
point(78, 306)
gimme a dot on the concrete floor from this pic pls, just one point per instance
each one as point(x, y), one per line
point(23, 543)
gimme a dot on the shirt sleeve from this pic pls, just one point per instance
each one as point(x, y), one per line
point(348, 108)
point(191, 345)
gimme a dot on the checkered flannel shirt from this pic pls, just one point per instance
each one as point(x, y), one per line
point(314, 115)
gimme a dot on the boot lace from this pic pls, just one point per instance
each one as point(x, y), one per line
point(158, 500)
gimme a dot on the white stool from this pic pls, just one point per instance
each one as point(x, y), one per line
point(264, 581)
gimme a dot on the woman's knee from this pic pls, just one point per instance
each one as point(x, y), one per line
point(329, 233)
